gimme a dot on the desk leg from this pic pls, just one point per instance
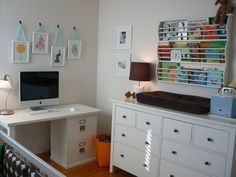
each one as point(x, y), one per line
point(11, 132)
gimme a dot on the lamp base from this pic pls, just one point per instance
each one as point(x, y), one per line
point(138, 89)
point(6, 112)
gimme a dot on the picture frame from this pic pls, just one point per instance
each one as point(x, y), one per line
point(20, 51)
point(123, 36)
point(57, 57)
point(40, 43)
point(74, 49)
point(122, 64)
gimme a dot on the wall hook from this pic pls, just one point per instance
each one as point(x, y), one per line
point(58, 26)
point(74, 28)
point(20, 21)
point(40, 24)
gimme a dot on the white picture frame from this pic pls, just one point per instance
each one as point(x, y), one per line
point(122, 64)
point(39, 43)
point(74, 49)
point(57, 57)
point(123, 37)
point(20, 51)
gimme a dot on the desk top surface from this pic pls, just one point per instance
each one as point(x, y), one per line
point(22, 117)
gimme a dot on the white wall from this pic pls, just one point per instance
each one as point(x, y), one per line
point(144, 16)
point(77, 78)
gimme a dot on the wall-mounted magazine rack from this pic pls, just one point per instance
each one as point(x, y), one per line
point(194, 52)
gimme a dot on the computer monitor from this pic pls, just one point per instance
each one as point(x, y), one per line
point(39, 88)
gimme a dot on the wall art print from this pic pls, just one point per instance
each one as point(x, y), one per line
point(58, 54)
point(122, 64)
point(40, 43)
point(123, 37)
point(74, 49)
point(20, 51)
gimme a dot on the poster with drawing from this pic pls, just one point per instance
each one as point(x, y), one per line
point(40, 43)
point(57, 56)
point(122, 64)
point(20, 51)
point(74, 49)
point(123, 37)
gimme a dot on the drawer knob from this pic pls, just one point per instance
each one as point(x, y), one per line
point(176, 131)
point(174, 152)
point(172, 175)
point(145, 165)
point(124, 117)
point(147, 143)
point(148, 123)
point(123, 134)
point(207, 163)
point(210, 140)
point(122, 155)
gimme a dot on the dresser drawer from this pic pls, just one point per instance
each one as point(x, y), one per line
point(80, 128)
point(81, 150)
point(135, 161)
point(204, 161)
point(149, 122)
point(137, 139)
point(216, 140)
point(177, 130)
point(172, 170)
point(125, 116)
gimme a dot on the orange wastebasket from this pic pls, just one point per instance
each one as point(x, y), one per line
point(103, 146)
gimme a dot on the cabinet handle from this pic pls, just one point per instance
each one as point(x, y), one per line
point(123, 134)
point(83, 121)
point(124, 117)
point(147, 143)
point(122, 155)
point(145, 165)
point(210, 140)
point(174, 152)
point(207, 163)
point(172, 175)
point(176, 131)
point(148, 123)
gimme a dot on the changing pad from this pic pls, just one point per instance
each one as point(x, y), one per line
point(179, 102)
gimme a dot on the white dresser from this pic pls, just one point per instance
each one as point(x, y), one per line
point(149, 141)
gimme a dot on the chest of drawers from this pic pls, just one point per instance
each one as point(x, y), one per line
point(154, 142)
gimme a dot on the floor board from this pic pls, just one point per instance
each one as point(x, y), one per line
point(88, 170)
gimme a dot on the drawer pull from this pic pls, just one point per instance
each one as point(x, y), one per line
point(174, 152)
point(148, 123)
point(172, 175)
point(210, 140)
point(123, 134)
point(207, 163)
point(147, 143)
point(145, 165)
point(176, 131)
point(122, 155)
point(124, 117)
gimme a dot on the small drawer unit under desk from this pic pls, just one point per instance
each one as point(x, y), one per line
point(72, 140)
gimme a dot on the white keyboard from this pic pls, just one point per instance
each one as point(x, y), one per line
point(42, 111)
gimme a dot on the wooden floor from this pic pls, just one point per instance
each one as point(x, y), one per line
point(88, 170)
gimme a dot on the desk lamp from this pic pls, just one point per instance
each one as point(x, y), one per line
point(7, 86)
point(140, 71)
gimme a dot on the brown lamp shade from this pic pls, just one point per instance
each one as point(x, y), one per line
point(140, 71)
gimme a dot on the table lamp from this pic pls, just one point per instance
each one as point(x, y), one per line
point(6, 85)
point(140, 71)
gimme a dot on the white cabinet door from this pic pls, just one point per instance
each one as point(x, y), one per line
point(125, 116)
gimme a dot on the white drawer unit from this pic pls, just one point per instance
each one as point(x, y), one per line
point(172, 170)
point(138, 139)
point(177, 130)
point(170, 143)
point(149, 122)
point(216, 140)
point(125, 116)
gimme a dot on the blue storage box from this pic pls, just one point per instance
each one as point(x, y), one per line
point(223, 105)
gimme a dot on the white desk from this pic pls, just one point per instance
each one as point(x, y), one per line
point(65, 133)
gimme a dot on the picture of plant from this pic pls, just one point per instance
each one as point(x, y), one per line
point(40, 43)
point(20, 51)
point(74, 49)
point(57, 56)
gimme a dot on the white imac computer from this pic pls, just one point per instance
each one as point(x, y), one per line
point(39, 88)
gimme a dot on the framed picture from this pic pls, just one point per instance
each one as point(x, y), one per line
point(20, 51)
point(122, 64)
point(123, 37)
point(74, 49)
point(58, 54)
point(40, 43)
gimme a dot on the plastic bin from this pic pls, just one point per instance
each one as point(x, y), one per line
point(103, 146)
